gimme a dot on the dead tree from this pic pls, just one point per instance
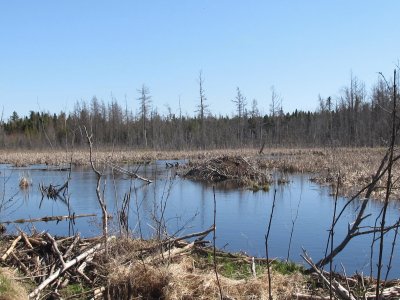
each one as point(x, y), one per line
point(355, 229)
point(100, 196)
point(202, 109)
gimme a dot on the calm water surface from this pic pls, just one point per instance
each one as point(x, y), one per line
point(242, 216)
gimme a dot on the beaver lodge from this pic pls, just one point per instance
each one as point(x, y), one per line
point(233, 168)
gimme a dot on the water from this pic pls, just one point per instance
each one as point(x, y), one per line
point(242, 215)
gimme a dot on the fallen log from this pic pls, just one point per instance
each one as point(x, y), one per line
point(169, 253)
point(337, 288)
point(299, 296)
point(48, 219)
point(127, 172)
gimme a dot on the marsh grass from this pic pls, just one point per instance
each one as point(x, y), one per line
point(9, 288)
point(190, 276)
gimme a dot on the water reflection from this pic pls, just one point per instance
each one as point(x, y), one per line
point(186, 206)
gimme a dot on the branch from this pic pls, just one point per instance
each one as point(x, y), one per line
point(67, 265)
point(337, 288)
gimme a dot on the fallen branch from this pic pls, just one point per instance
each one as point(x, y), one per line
point(387, 293)
point(201, 236)
point(127, 172)
point(169, 253)
point(337, 288)
point(8, 252)
point(299, 296)
point(55, 247)
point(26, 239)
point(48, 219)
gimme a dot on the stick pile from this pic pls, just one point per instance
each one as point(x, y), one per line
point(53, 263)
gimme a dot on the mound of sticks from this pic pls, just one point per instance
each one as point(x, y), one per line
point(52, 263)
point(223, 168)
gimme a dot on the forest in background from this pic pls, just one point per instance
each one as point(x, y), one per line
point(357, 118)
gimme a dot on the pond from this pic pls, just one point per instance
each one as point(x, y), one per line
point(186, 206)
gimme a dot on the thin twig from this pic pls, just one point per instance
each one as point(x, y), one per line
point(214, 246)
point(266, 248)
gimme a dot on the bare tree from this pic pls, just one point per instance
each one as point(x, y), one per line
point(145, 100)
point(202, 108)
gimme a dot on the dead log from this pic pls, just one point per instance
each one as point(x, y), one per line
point(26, 239)
point(337, 288)
point(169, 253)
point(387, 293)
point(49, 218)
point(299, 296)
point(55, 247)
point(73, 244)
point(127, 172)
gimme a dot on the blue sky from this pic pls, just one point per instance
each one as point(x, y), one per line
point(54, 53)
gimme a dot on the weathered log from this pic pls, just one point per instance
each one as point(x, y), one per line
point(25, 238)
point(337, 288)
point(299, 296)
point(127, 172)
point(169, 253)
point(73, 244)
point(49, 218)
point(55, 247)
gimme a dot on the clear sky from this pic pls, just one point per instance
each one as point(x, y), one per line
point(54, 53)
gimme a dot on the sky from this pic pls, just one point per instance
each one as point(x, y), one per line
point(55, 53)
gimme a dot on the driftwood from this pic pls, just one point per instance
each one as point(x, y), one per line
point(26, 239)
point(387, 293)
point(337, 288)
point(127, 172)
point(201, 235)
point(8, 252)
point(300, 296)
point(48, 219)
point(170, 254)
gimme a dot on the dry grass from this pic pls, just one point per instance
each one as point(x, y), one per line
point(189, 276)
point(181, 279)
point(58, 157)
point(356, 165)
point(187, 282)
point(9, 288)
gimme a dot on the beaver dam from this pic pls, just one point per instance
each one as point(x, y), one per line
point(229, 168)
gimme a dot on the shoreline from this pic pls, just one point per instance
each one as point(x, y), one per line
point(355, 165)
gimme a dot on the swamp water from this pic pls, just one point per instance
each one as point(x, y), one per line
point(242, 215)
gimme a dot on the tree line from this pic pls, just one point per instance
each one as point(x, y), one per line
point(356, 118)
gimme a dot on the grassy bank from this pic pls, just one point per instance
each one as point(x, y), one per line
point(137, 269)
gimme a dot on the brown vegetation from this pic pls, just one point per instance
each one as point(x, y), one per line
point(151, 269)
point(10, 289)
point(356, 165)
point(137, 268)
